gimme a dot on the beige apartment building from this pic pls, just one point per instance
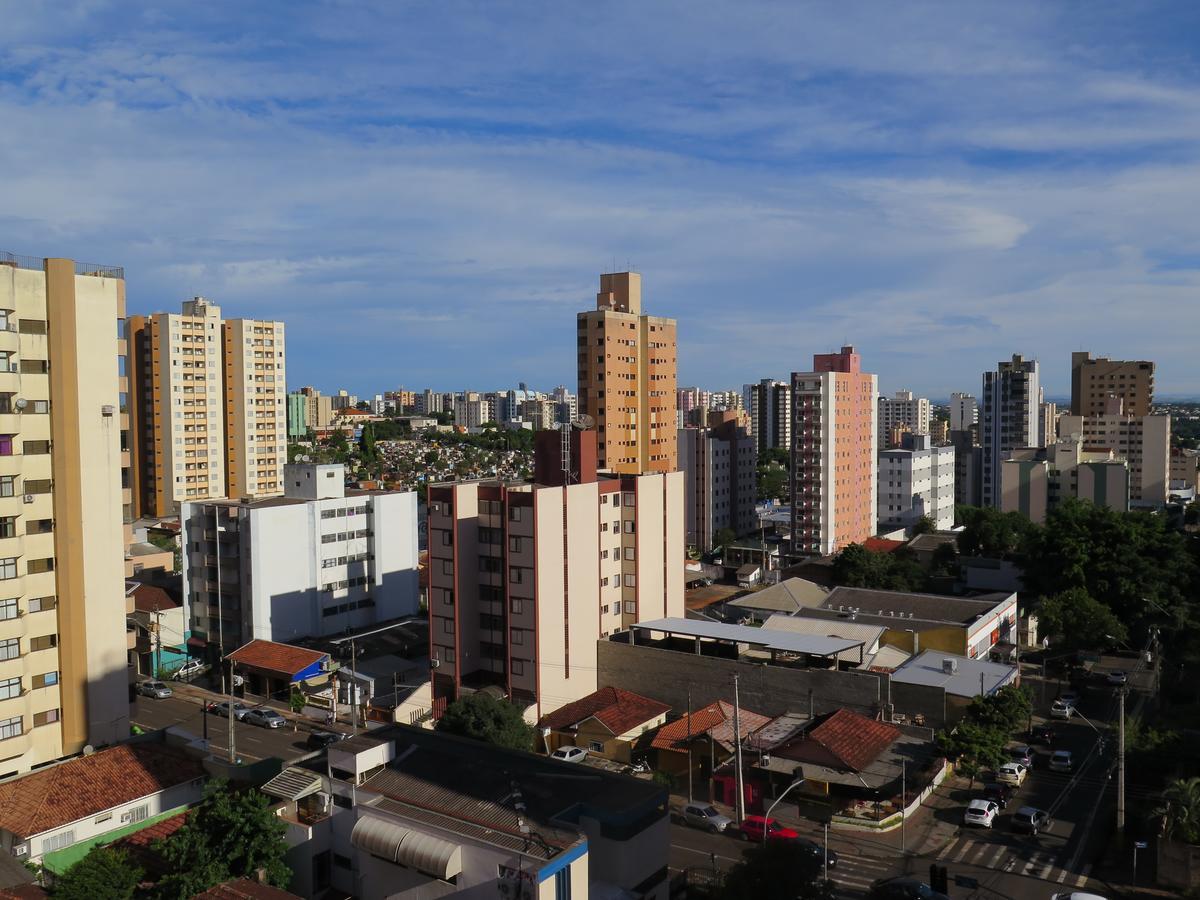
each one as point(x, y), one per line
point(1094, 380)
point(1034, 480)
point(1142, 441)
point(627, 378)
point(64, 649)
point(526, 577)
point(209, 408)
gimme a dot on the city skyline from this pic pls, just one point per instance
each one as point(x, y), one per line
point(902, 184)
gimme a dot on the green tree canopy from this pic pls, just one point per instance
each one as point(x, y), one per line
point(104, 873)
point(777, 870)
point(973, 746)
point(925, 525)
point(1079, 621)
point(856, 566)
point(484, 718)
point(1180, 809)
point(723, 537)
point(989, 532)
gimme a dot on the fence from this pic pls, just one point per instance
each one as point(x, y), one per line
point(37, 263)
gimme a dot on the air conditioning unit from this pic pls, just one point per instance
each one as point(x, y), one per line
point(950, 666)
point(29, 498)
point(20, 850)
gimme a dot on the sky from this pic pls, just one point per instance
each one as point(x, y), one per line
point(426, 192)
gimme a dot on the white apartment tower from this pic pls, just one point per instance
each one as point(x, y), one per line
point(964, 411)
point(902, 409)
point(916, 480)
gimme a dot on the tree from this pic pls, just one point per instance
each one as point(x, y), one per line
point(366, 443)
point(105, 872)
point(1180, 809)
point(724, 537)
point(484, 718)
point(1079, 621)
point(925, 525)
point(1007, 710)
point(856, 566)
point(945, 559)
point(989, 532)
point(775, 455)
point(777, 870)
point(973, 746)
point(231, 834)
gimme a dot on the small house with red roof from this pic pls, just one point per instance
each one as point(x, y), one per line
point(607, 723)
point(271, 668)
point(708, 734)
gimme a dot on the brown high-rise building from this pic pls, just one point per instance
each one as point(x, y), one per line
point(627, 364)
point(1094, 380)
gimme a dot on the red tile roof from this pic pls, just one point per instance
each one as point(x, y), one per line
point(882, 545)
point(23, 892)
point(841, 740)
point(617, 710)
point(716, 718)
point(272, 657)
point(58, 795)
point(149, 598)
point(245, 889)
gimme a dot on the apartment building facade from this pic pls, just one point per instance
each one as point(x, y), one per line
point(770, 406)
point(311, 563)
point(64, 648)
point(1009, 419)
point(1036, 479)
point(964, 411)
point(916, 480)
point(902, 411)
point(208, 407)
point(1094, 380)
point(1142, 441)
point(719, 464)
point(627, 378)
point(526, 577)
point(834, 460)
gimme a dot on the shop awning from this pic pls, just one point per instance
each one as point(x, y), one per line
point(414, 849)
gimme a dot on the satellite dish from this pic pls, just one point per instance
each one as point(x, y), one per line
point(88, 750)
point(306, 458)
point(20, 403)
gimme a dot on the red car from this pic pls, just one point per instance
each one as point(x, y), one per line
point(753, 828)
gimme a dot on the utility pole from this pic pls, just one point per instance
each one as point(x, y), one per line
point(220, 612)
point(1121, 762)
point(689, 742)
point(353, 689)
point(903, 806)
point(232, 717)
point(740, 800)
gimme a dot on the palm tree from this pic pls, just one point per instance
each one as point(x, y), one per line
point(1180, 810)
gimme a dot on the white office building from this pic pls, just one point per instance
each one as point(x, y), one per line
point(914, 481)
point(313, 562)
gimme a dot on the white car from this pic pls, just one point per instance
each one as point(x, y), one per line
point(1012, 773)
point(1059, 709)
point(1060, 761)
point(264, 718)
point(1117, 679)
point(1077, 895)
point(981, 812)
point(569, 753)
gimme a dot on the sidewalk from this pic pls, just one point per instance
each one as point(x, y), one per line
point(204, 696)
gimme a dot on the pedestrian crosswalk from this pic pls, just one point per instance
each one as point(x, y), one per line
point(855, 874)
point(1028, 862)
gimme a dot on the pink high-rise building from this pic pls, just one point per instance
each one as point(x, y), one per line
point(834, 454)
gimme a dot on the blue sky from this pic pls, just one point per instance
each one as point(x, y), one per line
point(427, 191)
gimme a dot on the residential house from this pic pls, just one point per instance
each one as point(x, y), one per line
point(606, 723)
point(786, 597)
point(703, 739)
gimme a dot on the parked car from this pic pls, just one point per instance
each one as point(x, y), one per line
point(569, 753)
point(264, 718)
point(189, 670)
point(319, 740)
point(1060, 761)
point(706, 816)
point(1030, 820)
point(155, 689)
point(1070, 697)
point(998, 793)
point(903, 888)
point(981, 813)
point(1117, 678)
point(1061, 710)
point(1077, 895)
point(222, 709)
point(1012, 773)
point(1042, 734)
point(758, 828)
point(1023, 754)
point(804, 845)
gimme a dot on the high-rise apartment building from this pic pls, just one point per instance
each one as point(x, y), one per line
point(719, 463)
point(297, 417)
point(627, 378)
point(916, 480)
point(525, 578)
point(834, 460)
point(1036, 479)
point(770, 406)
point(64, 651)
point(1047, 423)
point(1142, 441)
point(964, 411)
point(902, 410)
point(1093, 380)
point(1008, 420)
point(209, 408)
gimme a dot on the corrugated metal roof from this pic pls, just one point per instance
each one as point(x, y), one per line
point(408, 847)
point(757, 637)
point(834, 628)
point(292, 784)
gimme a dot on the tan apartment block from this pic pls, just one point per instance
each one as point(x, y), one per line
point(255, 407)
point(1093, 380)
point(1142, 441)
point(526, 577)
point(64, 663)
point(627, 378)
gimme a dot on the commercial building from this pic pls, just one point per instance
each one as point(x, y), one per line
point(1094, 380)
point(834, 463)
point(627, 378)
point(317, 561)
point(1142, 441)
point(1034, 480)
point(525, 577)
point(208, 402)
point(770, 406)
point(719, 466)
point(964, 411)
point(914, 481)
point(1009, 419)
point(902, 410)
point(64, 649)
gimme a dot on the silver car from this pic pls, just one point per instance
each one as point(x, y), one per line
point(155, 689)
point(265, 718)
point(706, 816)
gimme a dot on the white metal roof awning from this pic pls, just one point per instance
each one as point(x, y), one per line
point(292, 784)
point(407, 847)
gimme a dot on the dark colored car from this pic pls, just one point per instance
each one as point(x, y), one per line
point(319, 740)
point(1042, 734)
point(817, 850)
point(998, 793)
point(903, 889)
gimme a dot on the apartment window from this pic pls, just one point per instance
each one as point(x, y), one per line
point(47, 679)
point(628, 501)
point(36, 448)
point(448, 654)
point(8, 609)
point(630, 553)
point(6, 444)
point(42, 604)
point(448, 626)
point(604, 554)
point(629, 526)
point(596, 747)
point(8, 485)
point(515, 575)
point(45, 718)
point(37, 566)
point(10, 648)
point(514, 514)
point(630, 581)
point(10, 728)
point(41, 406)
point(516, 636)
point(44, 642)
point(518, 667)
point(8, 568)
point(137, 814)
point(9, 688)
point(445, 535)
point(514, 544)
point(447, 567)
point(630, 607)
point(516, 605)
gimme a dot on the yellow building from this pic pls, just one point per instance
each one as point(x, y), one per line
point(627, 378)
point(209, 407)
point(64, 664)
